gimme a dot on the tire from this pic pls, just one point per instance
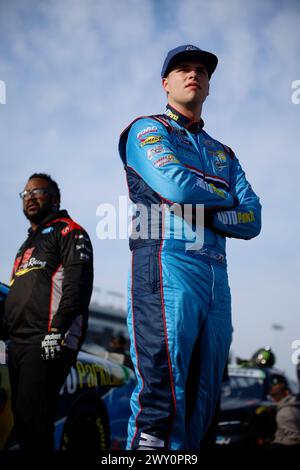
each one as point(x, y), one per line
point(86, 429)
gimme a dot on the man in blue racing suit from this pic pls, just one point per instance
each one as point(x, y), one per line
point(179, 308)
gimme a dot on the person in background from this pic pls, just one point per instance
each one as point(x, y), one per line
point(117, 344)
point(118, 349)
point(46, 311)
point(287, 435)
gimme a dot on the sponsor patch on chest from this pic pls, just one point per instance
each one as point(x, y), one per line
point(219, 159)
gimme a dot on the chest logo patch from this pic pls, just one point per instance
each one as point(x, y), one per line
point(219, 160)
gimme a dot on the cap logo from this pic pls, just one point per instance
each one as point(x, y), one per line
point(191, 48)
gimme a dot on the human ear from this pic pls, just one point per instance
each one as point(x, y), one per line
point(165, 84)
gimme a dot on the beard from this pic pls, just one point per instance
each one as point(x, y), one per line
point(40, 213)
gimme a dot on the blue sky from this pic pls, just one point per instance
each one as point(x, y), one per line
point(78, 71)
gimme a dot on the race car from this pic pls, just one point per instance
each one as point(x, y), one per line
point(247, 417)
point(94, 404)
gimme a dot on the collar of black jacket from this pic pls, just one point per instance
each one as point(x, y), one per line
point(191, 126)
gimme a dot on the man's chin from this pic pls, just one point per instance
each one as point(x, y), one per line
point(33, 217)
point(36, 216)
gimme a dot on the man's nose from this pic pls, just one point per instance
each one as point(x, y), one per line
point(193, 74)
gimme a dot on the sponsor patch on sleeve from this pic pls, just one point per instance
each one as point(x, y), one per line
point(163, 161)
point(155, 151)
point(148, 130)
point(150, 140)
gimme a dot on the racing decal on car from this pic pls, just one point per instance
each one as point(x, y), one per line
point(82, 237)
point(172, 115)
point(93, 375)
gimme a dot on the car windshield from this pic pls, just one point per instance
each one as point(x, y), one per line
point(249, 388)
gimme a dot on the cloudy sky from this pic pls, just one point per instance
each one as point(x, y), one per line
point(77, 71)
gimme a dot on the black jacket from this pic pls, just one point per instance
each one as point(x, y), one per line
point(51, 283)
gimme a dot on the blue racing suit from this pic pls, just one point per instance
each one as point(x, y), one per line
point(179, 306)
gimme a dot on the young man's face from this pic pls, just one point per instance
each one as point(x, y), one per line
point(187, 84)
point(39, 201)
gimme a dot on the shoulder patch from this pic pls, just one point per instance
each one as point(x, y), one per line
point(124, 134)
point(162, 119)
point(70, 225)
point(229, 150)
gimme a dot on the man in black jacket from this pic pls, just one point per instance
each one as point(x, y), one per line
point(46, 311)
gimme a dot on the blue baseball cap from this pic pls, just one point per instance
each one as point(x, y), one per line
point(189, 52)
